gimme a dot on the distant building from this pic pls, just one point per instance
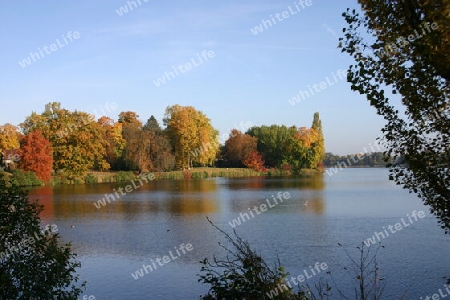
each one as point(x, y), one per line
point(9, 159)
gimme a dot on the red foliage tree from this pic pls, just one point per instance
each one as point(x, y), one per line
point(255, 161)
point(36, 154)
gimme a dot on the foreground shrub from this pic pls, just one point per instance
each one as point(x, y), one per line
point(243, 274)
point(32, 264)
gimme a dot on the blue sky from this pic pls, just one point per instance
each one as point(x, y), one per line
point(250, 79)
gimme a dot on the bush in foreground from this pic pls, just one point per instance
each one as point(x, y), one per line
point(32, 264)
point(243, 274)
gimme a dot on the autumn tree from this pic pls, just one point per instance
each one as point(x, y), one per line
point(401, 48)
point(317, 149)
point(36, 155)
point(130, 118)
point(54, 122)
point(115, 143)
point(89, 144)
point(79, 146)
point(9, 137)
point(255, 161)
point(297, 152)
point(207, 147)
point(137, 150)
point(147, 147)
point(160, 150)
point(76, 138)
point(238, 147)
point(181, 129)
point(134, 155)
point(192, 136)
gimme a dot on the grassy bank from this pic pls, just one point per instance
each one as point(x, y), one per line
point(194, 173)
point(127, 176)
point(198, 173)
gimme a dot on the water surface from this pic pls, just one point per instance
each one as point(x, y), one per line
point(348, 207)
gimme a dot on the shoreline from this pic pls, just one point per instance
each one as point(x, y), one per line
point(95, 177)
point(194, 173)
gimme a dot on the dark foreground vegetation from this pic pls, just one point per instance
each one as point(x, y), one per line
point(33, 263)
point(243, 274)
point(401, 54)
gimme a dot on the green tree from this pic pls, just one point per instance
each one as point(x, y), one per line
point(152, 125)
point(32, 263)
point(402, 48)
point(271, 142)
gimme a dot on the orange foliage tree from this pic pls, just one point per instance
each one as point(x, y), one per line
point(238, 146)
point(255, 161)
point(36, 154)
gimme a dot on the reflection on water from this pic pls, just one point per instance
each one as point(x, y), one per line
point(117, 239)
point(44, 195)
point(315, 182)
point(180, 196)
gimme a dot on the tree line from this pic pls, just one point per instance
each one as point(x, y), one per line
point(74, 142)
point(374, 159)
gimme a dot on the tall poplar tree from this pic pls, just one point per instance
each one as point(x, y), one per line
point(317, 148)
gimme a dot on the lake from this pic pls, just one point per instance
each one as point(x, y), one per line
point(154, 220)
